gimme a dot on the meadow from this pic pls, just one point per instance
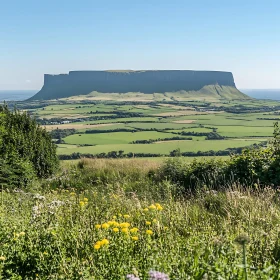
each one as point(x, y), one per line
point(108, 219)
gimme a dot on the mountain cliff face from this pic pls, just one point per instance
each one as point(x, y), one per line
point(157, 81)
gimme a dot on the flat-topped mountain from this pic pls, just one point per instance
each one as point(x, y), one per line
point(145, 81)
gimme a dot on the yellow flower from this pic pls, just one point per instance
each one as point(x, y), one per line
point(113, 223)
point(124, 225)
point(105, 226)
point(158, 206)
point(97, 226)
point(135, 238)
point(72, 193)
point(45, 253)
point(134, 230)
point(86, 199)
point(114, 217)
point(22, 233)
point(149, 232)
point(116, 224)
point(97, 246)
point(152, 207)
point(104, 241)
point(2, 258)
point(82, 203)
point(126, 216)
point(124, 230)
point(115, 229)
point(148, 223)
point(146, 209)
point(154, 220)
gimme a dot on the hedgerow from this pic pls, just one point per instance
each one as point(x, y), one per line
point(254, 166)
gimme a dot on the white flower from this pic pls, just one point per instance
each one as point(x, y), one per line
point(39, 197)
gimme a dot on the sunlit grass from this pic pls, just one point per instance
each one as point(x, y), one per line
point(107, 219)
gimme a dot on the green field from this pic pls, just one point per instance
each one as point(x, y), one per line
point(114, 137)
point(160, 125)
point(245, 131)
point(240, 122)
point(158, 148)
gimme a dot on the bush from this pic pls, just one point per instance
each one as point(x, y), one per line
point(194, 174)
point(24, 145)
point(256, 165)
point(252, 166)
point(16, 173)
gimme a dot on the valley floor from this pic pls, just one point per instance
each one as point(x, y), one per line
point(155, 127)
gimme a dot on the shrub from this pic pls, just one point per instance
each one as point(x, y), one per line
point(254, 165)
point(16, 172)
point(260, 165)
point(197, 173)
point(23, 141)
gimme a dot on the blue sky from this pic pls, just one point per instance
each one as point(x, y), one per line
point(38, 37)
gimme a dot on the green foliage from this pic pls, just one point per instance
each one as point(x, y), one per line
point(176, 153)
point(259, 166)
point(252, 166)
point(16, 172)
point(25, 148)
point(214, 136)
point(61, 133)
point(53, 235)
point(276, 140)
point(195, 174)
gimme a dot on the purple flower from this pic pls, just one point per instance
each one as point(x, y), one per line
point(132, 277)
point(156, 275)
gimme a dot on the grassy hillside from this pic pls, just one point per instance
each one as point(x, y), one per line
point(209, 93)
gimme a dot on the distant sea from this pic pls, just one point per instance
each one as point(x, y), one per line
point(273, 94)
point(16, 95)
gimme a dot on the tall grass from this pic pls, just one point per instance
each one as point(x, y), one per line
point(90, 224)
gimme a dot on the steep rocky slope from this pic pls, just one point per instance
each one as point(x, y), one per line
point(157, 81)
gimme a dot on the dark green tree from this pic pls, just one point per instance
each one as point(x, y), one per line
point(23, 140)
